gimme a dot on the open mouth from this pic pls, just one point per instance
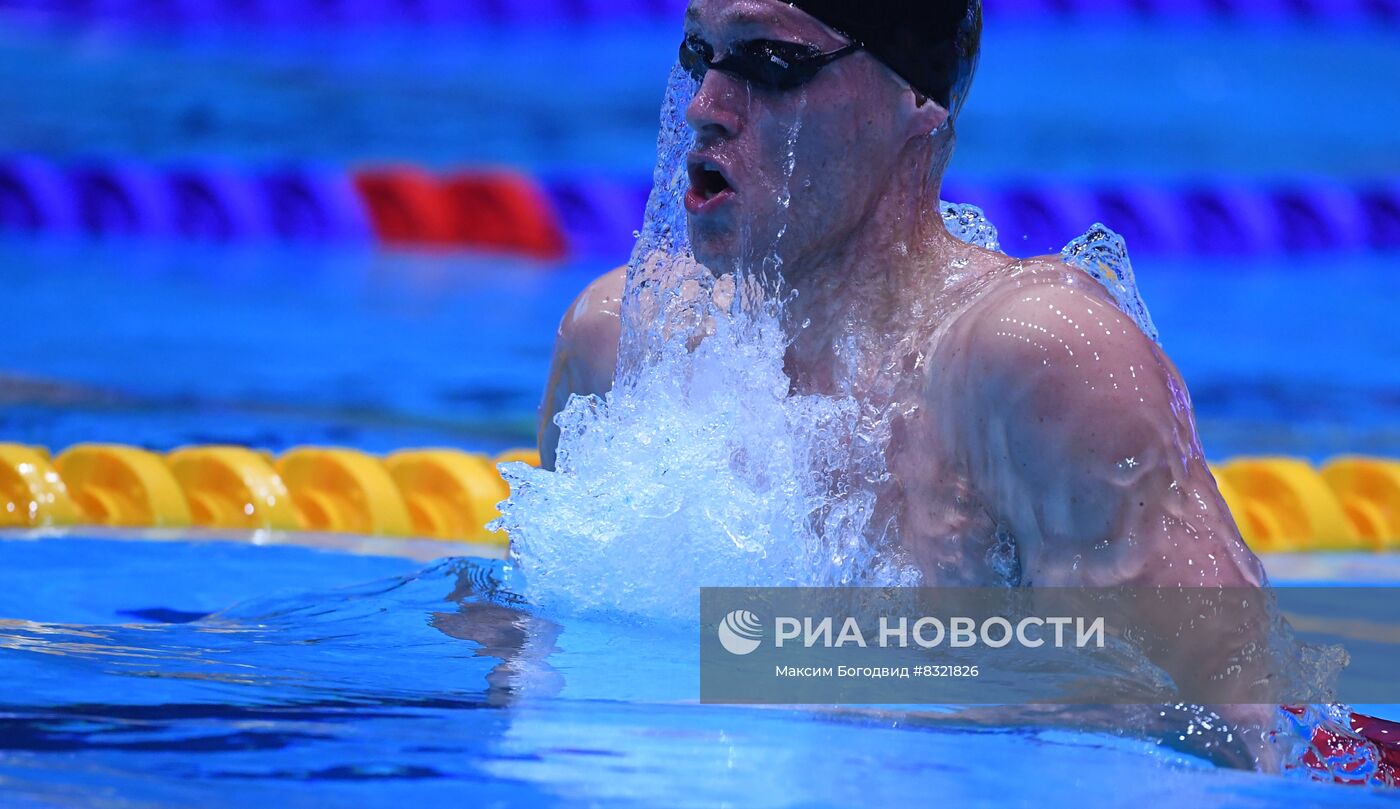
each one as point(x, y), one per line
point(708, 185)
point(708, 180)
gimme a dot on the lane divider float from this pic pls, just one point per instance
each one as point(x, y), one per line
point(432, 493)
point(596, 216)
point(1351, 503)
point(489, 210)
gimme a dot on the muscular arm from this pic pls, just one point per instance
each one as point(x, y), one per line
point(585, 354)
point(1082, 442)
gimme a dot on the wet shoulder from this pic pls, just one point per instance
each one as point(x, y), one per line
point(585, 352)
point(1042, 294)
point(592, 326)
point(1044, 325)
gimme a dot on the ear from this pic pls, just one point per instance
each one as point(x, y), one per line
point(922, 115)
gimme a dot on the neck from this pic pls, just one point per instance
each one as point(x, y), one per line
point(866, 287)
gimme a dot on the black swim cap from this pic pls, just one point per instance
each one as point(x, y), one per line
point(932, 44)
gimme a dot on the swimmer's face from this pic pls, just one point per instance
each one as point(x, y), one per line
point(830, 144)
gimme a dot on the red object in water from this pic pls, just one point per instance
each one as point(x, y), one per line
point(407, 207)
point(503, 211)
point(1345, 753)
point(484, 210)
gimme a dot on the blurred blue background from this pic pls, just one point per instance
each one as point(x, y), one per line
point(1257, 146)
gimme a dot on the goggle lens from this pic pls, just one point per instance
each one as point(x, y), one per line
point(765, 63)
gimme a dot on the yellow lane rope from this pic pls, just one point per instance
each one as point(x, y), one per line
point(1351, 503)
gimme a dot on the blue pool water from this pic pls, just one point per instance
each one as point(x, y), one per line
point(231, 675)
point(1225, 101)
point(224, 674)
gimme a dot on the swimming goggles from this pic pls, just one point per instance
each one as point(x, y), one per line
point(766, 63)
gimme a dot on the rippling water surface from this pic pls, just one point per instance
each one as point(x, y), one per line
point(160, 674)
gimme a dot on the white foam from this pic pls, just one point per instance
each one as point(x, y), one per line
point(702, 471)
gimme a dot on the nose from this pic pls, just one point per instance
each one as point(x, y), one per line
point(714, 112)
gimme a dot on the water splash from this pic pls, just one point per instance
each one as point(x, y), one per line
point(704, 472)
point(970, 224)
point(699, 468)
point(1104, 255)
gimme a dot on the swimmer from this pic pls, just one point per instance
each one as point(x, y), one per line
point(1041, 414)
point(1039, 437)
